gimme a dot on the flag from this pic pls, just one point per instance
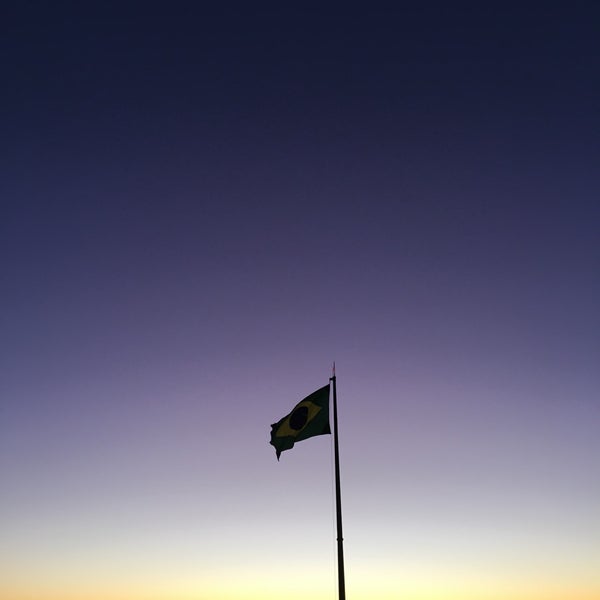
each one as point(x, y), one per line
point(309, 418)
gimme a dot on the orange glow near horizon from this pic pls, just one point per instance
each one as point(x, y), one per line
point(417, 583)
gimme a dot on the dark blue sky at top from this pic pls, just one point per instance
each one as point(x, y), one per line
point(410, 153)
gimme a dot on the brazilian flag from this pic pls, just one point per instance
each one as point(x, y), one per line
point(309, 418)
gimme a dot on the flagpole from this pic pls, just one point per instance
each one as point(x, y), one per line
point(338, 497)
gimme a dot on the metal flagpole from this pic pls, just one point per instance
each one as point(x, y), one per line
point(338, 496)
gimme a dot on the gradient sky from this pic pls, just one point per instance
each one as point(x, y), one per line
point(202, 209)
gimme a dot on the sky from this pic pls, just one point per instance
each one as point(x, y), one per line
point(203, 207)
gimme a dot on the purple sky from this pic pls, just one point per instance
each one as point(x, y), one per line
point(202, 209)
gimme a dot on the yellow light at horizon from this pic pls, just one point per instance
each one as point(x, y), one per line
point(248, 584)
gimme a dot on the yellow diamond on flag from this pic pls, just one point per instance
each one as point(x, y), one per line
point(310, 417)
